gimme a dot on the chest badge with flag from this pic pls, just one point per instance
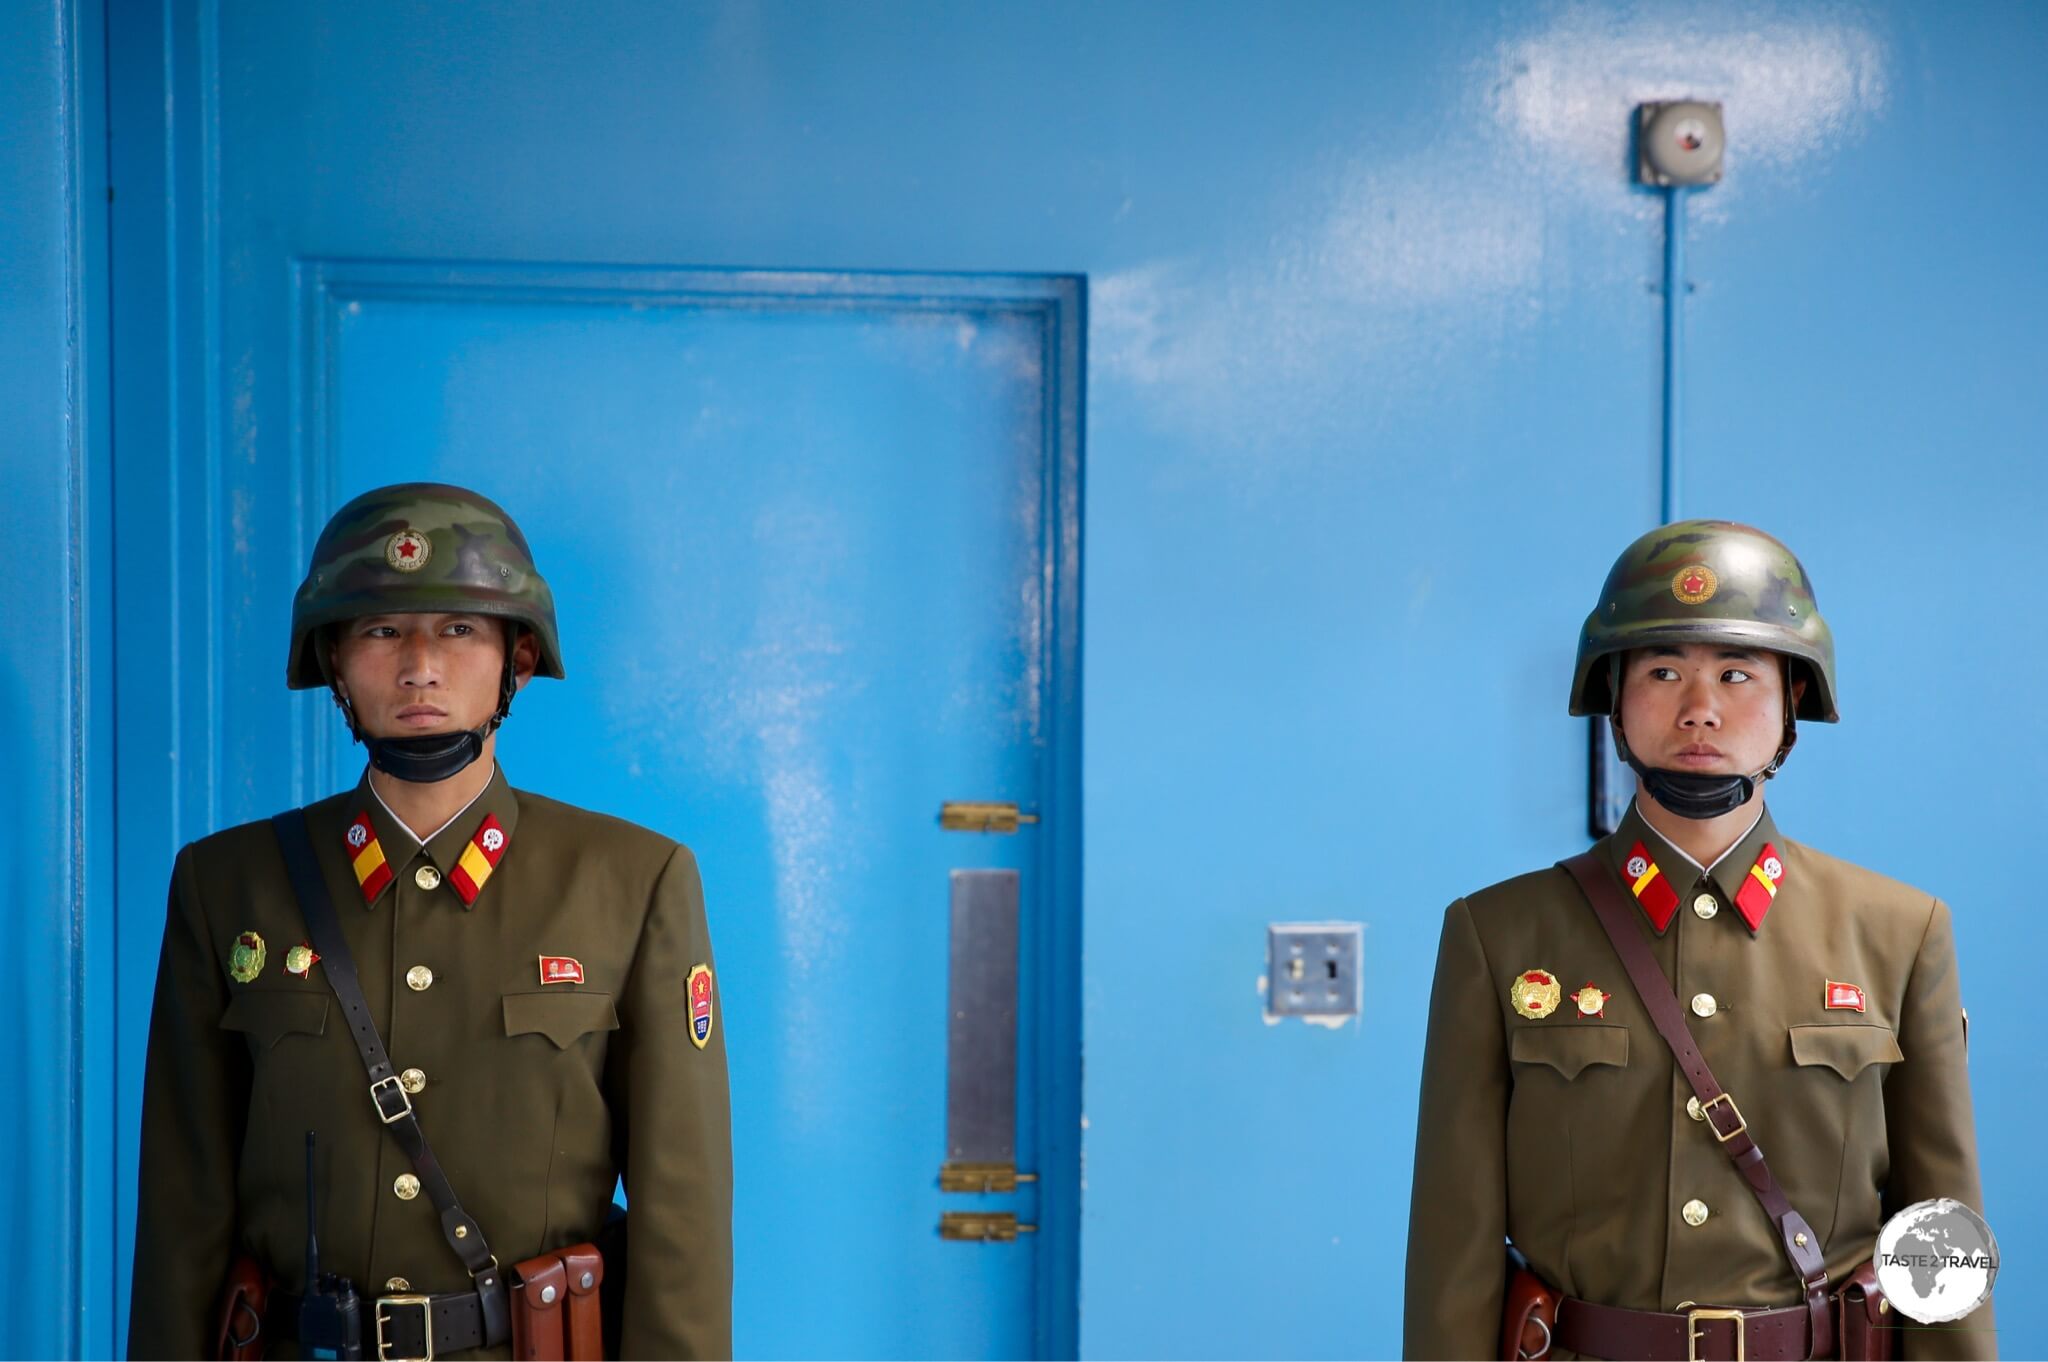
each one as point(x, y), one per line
point(366, 858)
point(700, 989)
point(1650, 886)
point(486, 847)
point(1760, 886)
point(1840, 995)
point(561, 969)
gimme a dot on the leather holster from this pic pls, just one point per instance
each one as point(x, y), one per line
point(1528, 1313)
point(556, 1306)
point(238, 1336)
point(1864, 1325)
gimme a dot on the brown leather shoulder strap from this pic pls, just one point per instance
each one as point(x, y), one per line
point(1802, 1246)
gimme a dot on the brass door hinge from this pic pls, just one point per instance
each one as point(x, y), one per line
point(982, 1177)
point(984, 1227)
point(967, 815)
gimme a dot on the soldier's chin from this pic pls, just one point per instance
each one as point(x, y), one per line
point(399, 729)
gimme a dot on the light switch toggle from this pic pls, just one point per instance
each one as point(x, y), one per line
point(1312, 969)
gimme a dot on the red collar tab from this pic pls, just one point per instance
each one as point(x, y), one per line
point(1760, 886)
point(366, 858)
point(1650, 886)
point(486, 846)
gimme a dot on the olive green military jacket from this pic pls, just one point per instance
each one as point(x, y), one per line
point(555, 1033)
point(1569, 1132)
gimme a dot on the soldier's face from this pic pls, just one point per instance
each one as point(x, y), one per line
point(408, 675)
point(1704, 707)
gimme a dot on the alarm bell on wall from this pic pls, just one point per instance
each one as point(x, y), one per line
point(1679, 142)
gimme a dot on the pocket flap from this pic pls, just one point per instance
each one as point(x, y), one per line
point(1848, 1050)
point(269, 1015)
point(1568, 1049)
point(561, 1017)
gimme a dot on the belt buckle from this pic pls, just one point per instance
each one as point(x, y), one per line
point(404, 1101)
point(1707, 1108)
point(426, 1308)
point(1693, 1335)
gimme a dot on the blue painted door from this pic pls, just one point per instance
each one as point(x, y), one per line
point(811, 541)
point(802, 535)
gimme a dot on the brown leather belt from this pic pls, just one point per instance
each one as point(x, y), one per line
point(1705, 1332)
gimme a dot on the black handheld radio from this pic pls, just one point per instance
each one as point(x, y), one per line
point(330, 1313)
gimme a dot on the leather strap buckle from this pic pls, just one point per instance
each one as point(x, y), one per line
point(1693, 1335)
point(389, 1083)
point(426, 1308)
point(1741, 1125)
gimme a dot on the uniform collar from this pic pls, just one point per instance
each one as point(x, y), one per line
point(1740, 878)
point(465, 852)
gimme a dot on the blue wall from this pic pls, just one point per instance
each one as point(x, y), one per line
point(1371, 398)
point(57, 1202)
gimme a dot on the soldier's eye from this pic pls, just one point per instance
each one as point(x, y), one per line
point(1664, 673)
point(1735, 677)
point(461, 630)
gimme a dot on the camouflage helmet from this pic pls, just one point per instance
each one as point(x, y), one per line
point(418, 548)
point(1707, 581)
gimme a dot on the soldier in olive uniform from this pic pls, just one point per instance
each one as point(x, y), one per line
point(1825, 999)
point(541, 976)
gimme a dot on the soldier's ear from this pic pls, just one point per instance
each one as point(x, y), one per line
point(525, 655)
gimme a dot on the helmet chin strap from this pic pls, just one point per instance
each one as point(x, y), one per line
point(432, 756)
point(1698, 794)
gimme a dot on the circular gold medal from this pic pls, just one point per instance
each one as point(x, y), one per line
point(1695, 584)
point(1535, 993)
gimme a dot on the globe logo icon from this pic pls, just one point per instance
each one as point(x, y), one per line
point(1936, 1260)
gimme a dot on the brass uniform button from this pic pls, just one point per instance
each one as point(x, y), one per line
point(1703, 906)
point(406, 1187)
point(426, 877)
point(419, 979)
point(396, 1284)
point(412, 1080)
point(1703, 1005)
point(1694, 1211)
point(1692, 1109)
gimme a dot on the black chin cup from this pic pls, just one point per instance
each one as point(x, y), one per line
point(1698, 794)
point(1695, 794)
point(426, 759)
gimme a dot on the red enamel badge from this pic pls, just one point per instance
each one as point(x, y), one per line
point(561, 969)
point(1844, 996)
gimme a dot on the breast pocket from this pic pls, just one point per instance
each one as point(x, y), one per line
point(1848, 1050)
point(268, 1016)
point(563, 1018)
point(1570, 1050)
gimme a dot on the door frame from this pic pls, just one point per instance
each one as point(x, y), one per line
point(324, 288)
